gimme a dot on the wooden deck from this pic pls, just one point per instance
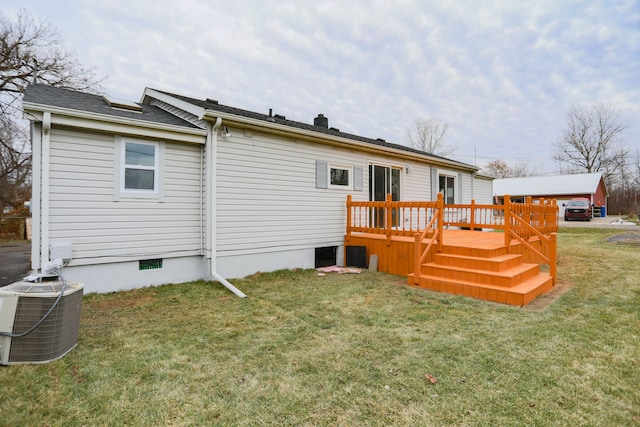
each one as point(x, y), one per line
point(501, 263)
point(472, 263)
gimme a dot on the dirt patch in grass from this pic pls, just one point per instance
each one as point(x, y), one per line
point(541, 303)
point(632, 238)
point(124, 300)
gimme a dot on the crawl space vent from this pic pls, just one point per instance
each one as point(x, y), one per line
point(150, 264)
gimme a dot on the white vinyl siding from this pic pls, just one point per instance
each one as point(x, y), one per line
point(416, 185)
point(465, 186)
point(483, 191)
point(101, 228)
point(268, 200)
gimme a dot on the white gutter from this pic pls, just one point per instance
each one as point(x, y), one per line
point(44, 190)
point(108, 123)
point(314, 136)
point(211, 154)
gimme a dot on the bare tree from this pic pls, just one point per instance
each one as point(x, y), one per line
point(33, 50)
point(15, 164)
point(30, 50)
point(428, 135)
point(500, 169)
point(591, 141)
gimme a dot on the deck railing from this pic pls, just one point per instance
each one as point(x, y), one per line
point(527, 221)
point(389, 218)
point(426, 220)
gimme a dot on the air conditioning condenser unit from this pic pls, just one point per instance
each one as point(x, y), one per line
point(22, 305)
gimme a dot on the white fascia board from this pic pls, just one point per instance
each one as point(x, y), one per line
point(113, 124)
point(483, 176)
point(199, 112)
point(303, 134)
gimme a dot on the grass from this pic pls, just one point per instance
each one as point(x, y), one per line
point(348, 350)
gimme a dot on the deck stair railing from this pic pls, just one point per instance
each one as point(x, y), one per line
point(527, 221)
point(433, 229)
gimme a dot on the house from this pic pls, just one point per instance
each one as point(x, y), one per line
point(560, 187)
point(174, 189)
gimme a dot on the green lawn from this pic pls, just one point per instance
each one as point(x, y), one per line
point(349, 350)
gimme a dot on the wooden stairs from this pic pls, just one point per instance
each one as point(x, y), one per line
point(483, 269)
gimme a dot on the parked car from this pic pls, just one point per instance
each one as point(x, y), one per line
point(578, 209)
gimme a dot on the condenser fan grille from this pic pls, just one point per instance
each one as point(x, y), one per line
point(56, 336)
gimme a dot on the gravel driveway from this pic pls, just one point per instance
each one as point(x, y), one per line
point(605, 222)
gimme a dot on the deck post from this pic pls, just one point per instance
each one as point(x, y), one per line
point(348, 214)
point(417, 254)
point(473, 215)
point(553, 253)
point(440, 213)
point(388, 226)
point(507, 222)
point(529, 211)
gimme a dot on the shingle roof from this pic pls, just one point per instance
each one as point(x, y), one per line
point(583, 183)
point(81, 101)
point(215, 106)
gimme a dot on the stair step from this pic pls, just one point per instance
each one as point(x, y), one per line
point(479, 252)
point(506, 278)
point(520, 294)
point(498, 263)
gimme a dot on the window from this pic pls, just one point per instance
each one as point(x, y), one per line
point(140, 166)
point(138, 169)
point(339, 176)
point(336, 176)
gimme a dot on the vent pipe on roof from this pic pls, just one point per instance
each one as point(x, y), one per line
point(271, 118)
point(321, 121)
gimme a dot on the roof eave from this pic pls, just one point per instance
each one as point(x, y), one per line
point(107, 123)
point(319, 137)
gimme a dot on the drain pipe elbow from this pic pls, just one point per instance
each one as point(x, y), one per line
point(217, 124)
point(225, 282)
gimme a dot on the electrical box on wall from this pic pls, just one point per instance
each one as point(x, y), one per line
point(62, 251)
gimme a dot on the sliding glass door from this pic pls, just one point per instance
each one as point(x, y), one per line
point(383, 180)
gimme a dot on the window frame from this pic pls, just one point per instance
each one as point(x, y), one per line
point(338, 166)
point(121, 167)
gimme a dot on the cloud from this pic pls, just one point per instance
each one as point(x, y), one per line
point(501, 74)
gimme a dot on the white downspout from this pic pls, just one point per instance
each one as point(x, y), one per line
point(36, 192)
point(44, 190)
point(212, 157)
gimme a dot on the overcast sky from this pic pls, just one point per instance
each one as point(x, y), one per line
point(502, 74)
